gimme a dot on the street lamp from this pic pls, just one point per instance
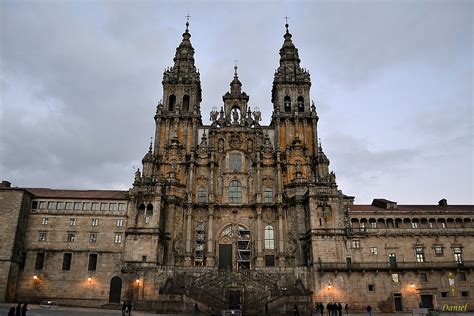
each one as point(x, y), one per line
point(89, 279)
point(137, 281)
point(329, 285)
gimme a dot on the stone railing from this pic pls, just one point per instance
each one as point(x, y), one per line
point(367, 266)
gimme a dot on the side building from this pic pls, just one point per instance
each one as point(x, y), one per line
point(233, 214)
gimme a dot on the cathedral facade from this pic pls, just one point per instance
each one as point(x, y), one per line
point(233, 214)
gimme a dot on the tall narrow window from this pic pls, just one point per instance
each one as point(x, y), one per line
point(287, 103)
point(235, 192)
point(202, 195)
point(171, 102)
point(268, 195)
point(457, 255)
point(269, 237)
point(92, 262)
point(186, 103)
point(300, 101)
point(39, 261)
point(419, 254)
point(67, 258)
point(200, 243)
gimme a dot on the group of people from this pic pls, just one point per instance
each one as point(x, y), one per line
point(334, 309)
point(126, 308)
point(19, 310)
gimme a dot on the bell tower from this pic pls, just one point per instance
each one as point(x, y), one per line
point(179, 115)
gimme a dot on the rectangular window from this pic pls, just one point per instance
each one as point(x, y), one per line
point(92, 262)
point(462, 276)
point(419, 254)
point(121, 207)
point(395, 278)
point(67, 258)
point(39, 261)
point(373, 224)
point(44, 221)
point(147, 219)
point(42, 236)
point(362, 227)
point(355, 244)
point(269, 261)
point(457, 254)
point(438, 250)
point(72, 222)
point(95, 206)
point(414, 225)
point(144, 258)
point(51, 205)
point(118, 238)
point(69, 205)
point(119, 222)
point(370, 287)
point(373, 250)
point(34, 205)
point(113, 206)
point(95, 222)
point(423, 277)
point(268, 195)
point(43, 205)
point(431, 224)
point(235, 162)
point(104, 206)
point(444, 294)
point(77, 206)
point(71, 237)
point(92, 238)
point(464, 293)
point(86, 206)
point(202, 195)
point(60, 206)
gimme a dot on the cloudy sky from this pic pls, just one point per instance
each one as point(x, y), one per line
point(392, 81)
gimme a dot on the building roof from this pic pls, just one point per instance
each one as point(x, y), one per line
point(77, 194)
point(413, 208)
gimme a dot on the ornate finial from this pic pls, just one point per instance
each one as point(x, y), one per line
point(187, 21)
point(286, 24)
point(235, 67)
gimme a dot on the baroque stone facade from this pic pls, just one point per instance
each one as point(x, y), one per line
point(233, 214)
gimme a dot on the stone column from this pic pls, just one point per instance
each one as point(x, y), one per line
point(210, 238)
point(157, 134)
point(315, 136)
point(281, 241)
point(260, 262)
point(189, 231)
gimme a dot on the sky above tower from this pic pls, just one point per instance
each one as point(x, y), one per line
point(392, 82)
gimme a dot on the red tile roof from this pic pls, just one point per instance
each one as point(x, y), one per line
point(78, 194)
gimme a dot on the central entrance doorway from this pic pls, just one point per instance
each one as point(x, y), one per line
point(225, 257)
point(235, 248)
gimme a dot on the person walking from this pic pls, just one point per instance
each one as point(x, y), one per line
point(339, 309)
point(11, 312)
point(369, 310)
point(129, 307)
point(124, 308)
point(24, 308)
point(346, 308)
point(18, 310)
point(295, 310)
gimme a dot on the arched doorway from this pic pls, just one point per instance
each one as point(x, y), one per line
point(115, 290)
point(240, 239)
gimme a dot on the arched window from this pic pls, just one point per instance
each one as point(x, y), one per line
point(141, 208)
point(268, 195)
point(235, 192)
point(228, 232)
point(171, 102)
point(186, 103)
point(202, 195)
point(269, 237)
point(287, 103)
point(300, 104)
point(149, 213)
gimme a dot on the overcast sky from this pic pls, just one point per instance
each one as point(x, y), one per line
point(392, 81)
